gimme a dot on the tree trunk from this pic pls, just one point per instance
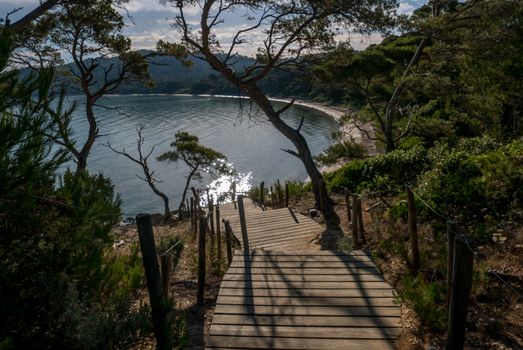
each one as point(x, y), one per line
point(321, 196)
point(81, 159)
point(323, 200)
point(187, 184)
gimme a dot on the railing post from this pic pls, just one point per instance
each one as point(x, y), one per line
point(211, 224)
point(355, 221)
point(280, 194)
point(233, 187)
point(228, 239)
point(450, 261)
point(201, 261)
point(218, 232)
point(363, 240)
point(166, 268)
point(459, 299)
point(347, 205)
point(262, 195)
point(243, 223)
point(413, 230)
point(154, 282)
point(286, 194)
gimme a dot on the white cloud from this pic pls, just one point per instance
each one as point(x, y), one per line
point(405, 8)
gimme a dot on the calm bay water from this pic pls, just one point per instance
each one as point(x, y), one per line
point(228, 125)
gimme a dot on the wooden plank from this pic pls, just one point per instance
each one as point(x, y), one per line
point(256, 231)
point(220, 342)
point(309, 271)
point(303, 278)
point(305, 285)
point(371, 293)
point(273, 222)
point(296, 234)
point(272, 252)
point(307, 301)
point(306, 332)
point(279, 242)
point(282, 310)
point(298, 258)
point(348, 265)
point(290, 320)
point(283, 242)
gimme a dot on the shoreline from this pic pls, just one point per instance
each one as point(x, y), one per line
point(335, 112)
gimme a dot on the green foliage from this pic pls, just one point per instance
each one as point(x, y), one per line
point(341, 151)
point(479, 183)
point(384, 173)
point(196, 156)
point(200, 159)
point(426, 298)
point(61, 286)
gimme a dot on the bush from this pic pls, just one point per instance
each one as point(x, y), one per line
point(62, 288)
point(385, 172)
point(341, 151)
point(479, 184)
point(426, 298)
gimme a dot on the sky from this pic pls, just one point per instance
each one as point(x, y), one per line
point(151, 22)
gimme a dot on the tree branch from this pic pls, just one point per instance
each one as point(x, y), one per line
point(31, 16)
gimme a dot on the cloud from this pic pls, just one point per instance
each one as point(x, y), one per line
point(405, 8)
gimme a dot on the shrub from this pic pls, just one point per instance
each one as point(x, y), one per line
point(479, 184)
point(341, 151)
point(385, 172)
point(426, 298)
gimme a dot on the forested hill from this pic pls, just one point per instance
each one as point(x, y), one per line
point(171, 76)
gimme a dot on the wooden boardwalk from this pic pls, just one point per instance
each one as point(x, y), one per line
point(288, 294)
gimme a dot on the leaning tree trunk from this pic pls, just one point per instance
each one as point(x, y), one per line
point(81, 158)
point(187, 184)
point(323, 200)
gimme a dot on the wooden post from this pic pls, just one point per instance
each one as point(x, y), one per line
point(450, 262)
point(228, 239)
point(243, 223)
point(280, 195)
point(322, 186)
point(211, 223)
point(461, 287)
point(272, 198)
point(262, 194)
point(201, 262)
point(194, 217)
point(347, 205)
point(191, 211)
point(286, 194)
point(166, 267)
point(233, 187)
point(361, 229)
point(413, 231)
point(355, 221)
point(218, 232)
point(154, 282)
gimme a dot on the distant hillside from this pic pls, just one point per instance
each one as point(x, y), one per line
point(171, 77)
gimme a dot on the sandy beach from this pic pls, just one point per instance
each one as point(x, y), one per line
point(349, 132)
